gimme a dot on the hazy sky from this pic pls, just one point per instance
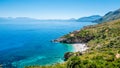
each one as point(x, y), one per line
point(56, 9)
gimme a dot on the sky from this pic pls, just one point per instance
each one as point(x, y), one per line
point(56, 9)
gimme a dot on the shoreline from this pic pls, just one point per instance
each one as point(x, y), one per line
point(79, 47)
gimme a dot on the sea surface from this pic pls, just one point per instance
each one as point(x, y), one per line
point(24, 43)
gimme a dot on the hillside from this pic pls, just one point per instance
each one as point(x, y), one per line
point(112, 15)
point(89, 18)
point(103, 41)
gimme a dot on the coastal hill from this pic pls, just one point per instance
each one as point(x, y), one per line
point(103, 41)
point(99, 33)
point(112, 15)
point(89, 18)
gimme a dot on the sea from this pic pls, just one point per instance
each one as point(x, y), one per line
point(28, 42)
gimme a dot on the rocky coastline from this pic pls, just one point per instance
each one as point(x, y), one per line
point(73, 37)
point(78, 42)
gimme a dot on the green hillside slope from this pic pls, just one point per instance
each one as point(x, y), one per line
point(103, 41)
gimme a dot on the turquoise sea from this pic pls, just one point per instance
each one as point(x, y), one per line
point(24, 43)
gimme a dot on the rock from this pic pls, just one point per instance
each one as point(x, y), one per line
point(68, 55)
point(117, 56)
point(59, 40)
point(75, 39)
point(72, 35)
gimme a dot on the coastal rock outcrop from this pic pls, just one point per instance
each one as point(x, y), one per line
point(75, 37)
point(68, 55)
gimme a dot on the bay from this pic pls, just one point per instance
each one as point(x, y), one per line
point(24, 43)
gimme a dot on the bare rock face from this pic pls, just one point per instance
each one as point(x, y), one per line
point(74, 39)
point(117, 56)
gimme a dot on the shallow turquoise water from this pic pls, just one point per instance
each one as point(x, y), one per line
point(24, 43)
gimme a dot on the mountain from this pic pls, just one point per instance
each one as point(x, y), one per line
point(112, 15)
point(102, 40)
point(89, 18)
point(32, 19)
point(9, 19)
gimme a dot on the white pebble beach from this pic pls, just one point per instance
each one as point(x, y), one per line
point(79, 47)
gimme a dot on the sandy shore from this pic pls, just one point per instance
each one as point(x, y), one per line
point(80, 47)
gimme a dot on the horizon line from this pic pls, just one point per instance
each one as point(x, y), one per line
point(46, 18)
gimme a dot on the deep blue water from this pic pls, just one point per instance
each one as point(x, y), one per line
point(25, 43)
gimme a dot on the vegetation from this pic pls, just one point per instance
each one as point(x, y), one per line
point(51, 66)
point(110, 16)
point(104, 48)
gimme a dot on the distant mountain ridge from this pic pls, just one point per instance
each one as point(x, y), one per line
point(89, 18)
point(32, 19)
point(82, 19)
point(112, 15)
